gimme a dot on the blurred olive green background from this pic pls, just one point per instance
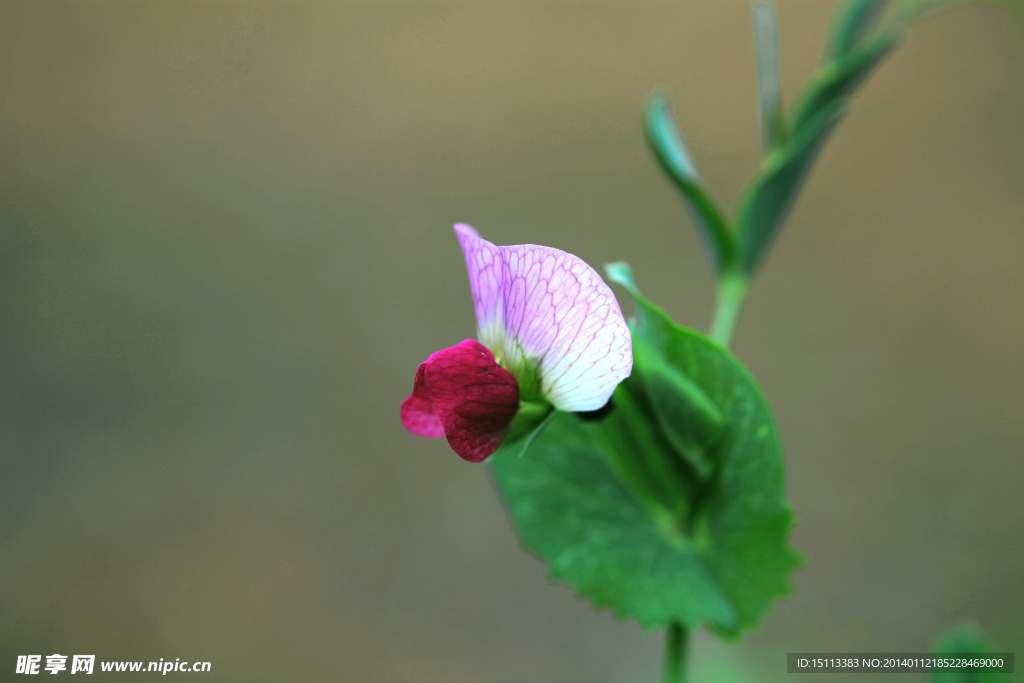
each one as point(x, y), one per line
point(225, 245)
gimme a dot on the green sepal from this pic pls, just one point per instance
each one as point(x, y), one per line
point(529, 422)
point(669, 148)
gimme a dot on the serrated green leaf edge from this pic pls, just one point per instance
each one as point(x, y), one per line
point(650, 316)
point(736, 557)
point(657, 323)
point(779, 524)
point(573, 552)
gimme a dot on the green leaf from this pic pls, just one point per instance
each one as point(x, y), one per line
point(669, 148)
point(689, 421)
point(855, 48)
point(836, 80)
point(852, 22)
point(769, 82)
point(622, 273)
point(620, 516)
point(767, 200)
point(686, 417)
point(965, 639)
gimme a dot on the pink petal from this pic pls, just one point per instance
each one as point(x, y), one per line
point(483, 261)
point(474, 398)
point(563, 319)
point(551, 319)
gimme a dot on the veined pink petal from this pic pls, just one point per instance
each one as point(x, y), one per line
point(561, 318)
point(563, 335)
point(473, 398)
point(483, 261)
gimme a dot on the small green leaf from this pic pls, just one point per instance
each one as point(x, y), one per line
point(666, 141)
point(622, 273)
point(769, 82)
point(852, 22)
point(767, 200)
point(688, 420)
point(617, 514)
point(685, 416)
point(969, 640)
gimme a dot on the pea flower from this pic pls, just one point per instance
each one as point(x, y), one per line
point(550, 330)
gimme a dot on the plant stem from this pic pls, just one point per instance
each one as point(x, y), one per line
point(675, 654)
point(731, 291)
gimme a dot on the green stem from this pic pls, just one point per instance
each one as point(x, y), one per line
point(731, 291)
point(675, 654)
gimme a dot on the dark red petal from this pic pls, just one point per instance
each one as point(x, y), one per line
point(474, 397)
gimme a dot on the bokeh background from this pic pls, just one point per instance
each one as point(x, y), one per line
point(225, 245)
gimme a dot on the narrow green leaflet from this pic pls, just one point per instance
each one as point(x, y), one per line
point(836, 80)
point(666, 141)
point(856, 46)
point(769, 80)
point(853, 21)
point(766, 202)
point(619, 514)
